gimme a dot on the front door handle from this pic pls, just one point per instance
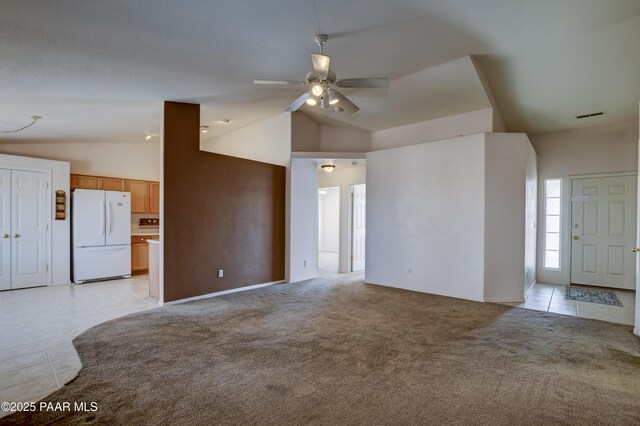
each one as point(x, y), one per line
point(635, 249)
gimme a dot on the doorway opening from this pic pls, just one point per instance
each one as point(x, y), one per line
point(329, 230)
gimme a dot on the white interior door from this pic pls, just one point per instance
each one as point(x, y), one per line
point(28, 229)
point(5, 229)
point(604, 231)
point(358, 229)
point(118, 220)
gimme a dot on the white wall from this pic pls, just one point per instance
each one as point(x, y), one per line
point(433, 130)
point(507, 250)
point(344, 178)
point(425, 213)
point(268, 141)
point(531, 214)
point(329, 220)
point(341, 139)
point(303, 221)
point(305, 133)
point(60, 247)
point(637, 327)
point(134, 160)
point(588, 150)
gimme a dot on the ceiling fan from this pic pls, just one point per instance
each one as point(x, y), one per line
point(321, 84)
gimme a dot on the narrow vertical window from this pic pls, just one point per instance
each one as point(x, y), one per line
point(552, 190)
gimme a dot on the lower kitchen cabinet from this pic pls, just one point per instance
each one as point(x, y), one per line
point(140, 253)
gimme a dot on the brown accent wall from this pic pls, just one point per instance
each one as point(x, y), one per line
point(220, 212)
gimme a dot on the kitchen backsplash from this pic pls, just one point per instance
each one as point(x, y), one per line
point(138, 226)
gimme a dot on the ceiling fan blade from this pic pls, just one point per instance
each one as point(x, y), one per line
point(295, 105)
point(364, 83)
point(279, 82)
point(344, 103)
point(320, 64)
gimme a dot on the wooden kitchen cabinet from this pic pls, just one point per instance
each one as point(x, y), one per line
point(111, 184)
point(139, 190)
point(140, 253)
point(154, 197)
point(83, 182)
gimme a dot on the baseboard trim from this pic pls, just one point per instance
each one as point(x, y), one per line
point(500, 300)
point(222, 293)
point(455, 296)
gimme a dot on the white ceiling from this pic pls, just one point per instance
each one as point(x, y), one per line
point(100, 70)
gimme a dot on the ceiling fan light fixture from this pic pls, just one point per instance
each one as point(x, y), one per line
point(312, 102)
point(333, 99)
point(317, 90)
point(328, 168)
point(323, 102)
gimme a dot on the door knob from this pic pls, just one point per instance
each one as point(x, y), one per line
point(16, 235)
point(575, 237)
point(635, 249)
point(5, 235)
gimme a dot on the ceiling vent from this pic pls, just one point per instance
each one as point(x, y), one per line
point(594, 114)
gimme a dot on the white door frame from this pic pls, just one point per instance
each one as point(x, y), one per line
point(350, 225)
point(569, 231)
point(50, 214)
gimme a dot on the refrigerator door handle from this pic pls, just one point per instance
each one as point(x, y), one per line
point(109, 219)
point(102, 218)
point(104, 248)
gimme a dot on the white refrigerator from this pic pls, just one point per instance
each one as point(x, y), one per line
point(101, 235)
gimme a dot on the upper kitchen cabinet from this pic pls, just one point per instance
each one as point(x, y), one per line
point(111, 184)
point(139, 190)
point(84, 182)
point(154, 197)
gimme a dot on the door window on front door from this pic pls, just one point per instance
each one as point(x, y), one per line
point(603, 214)
point(23, 229)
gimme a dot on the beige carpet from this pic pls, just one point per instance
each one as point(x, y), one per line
point(349, 353)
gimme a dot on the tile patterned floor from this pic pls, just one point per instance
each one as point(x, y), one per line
point(550, 298)
point(36, 353)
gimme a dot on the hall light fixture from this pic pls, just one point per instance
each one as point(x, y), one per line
point(224, 121)
point(328, 167)
point(204, 129)
point(322, 191)
point(148, 137)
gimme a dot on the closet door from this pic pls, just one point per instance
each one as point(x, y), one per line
point(5, 229)
point(28, 229)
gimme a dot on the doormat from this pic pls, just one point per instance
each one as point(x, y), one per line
point(604, 297)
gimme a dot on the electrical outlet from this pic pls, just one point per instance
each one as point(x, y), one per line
point(220, 273)
point(410, 271)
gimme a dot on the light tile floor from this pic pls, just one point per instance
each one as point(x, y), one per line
point(38, 325)
point(550, 298)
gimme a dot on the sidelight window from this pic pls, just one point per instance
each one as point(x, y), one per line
point(552, 192)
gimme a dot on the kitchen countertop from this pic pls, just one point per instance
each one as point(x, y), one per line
point(153, 241)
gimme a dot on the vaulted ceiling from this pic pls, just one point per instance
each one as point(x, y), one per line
point(99, 70)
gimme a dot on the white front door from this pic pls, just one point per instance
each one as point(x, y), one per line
point(603, 212)
point(28, 229)
point(358, 229)
point(5, 229)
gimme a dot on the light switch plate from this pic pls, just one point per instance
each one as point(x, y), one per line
point(220, 273)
